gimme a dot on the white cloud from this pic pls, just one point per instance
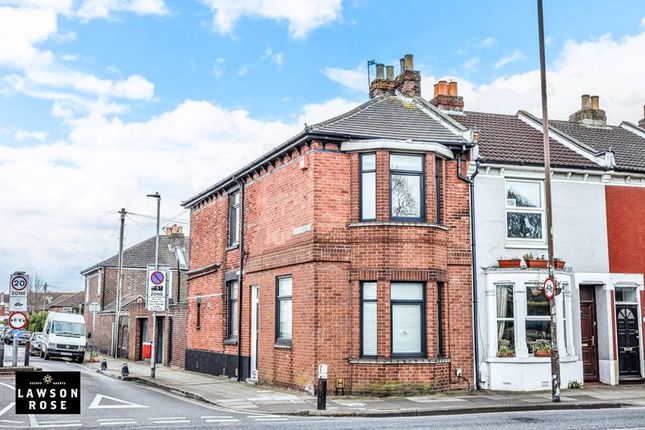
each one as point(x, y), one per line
point(106, 163)
point(513, 57)
point(37, 135)
point(91, 9)
point(276, 58)
point(643, 22)
point(471, 63)
point(303, 16)
point(354, 79)
point(20, 30)
point(487, 42)
point(604, 66)
point(243, 70)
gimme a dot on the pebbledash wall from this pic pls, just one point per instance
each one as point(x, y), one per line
point(303, 222)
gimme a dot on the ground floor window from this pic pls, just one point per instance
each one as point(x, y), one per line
point(505, 320)
point(538, 319)
point(407, 302)
point(283, 308)
point(368, 319)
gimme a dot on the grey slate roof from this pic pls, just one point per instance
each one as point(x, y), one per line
point(508, 139)
point(628, 147)
point(143, 253)
point(68, 300)
point(390, 117)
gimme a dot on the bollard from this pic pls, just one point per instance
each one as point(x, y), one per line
point(2, 355)
point(125, 372)
point(104, 364)
point(27, 352)
point(322, 387)
point(14, 358)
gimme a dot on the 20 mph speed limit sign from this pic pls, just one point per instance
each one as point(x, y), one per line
point(18, 284)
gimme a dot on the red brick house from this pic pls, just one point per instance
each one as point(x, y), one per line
point(355, 237)
point(136, 322)
point(68, 303)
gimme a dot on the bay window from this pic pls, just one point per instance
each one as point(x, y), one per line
point(407, 307)
point(538, 319)
point(368, 187)
point(505, 317)
point(369, 319)
point(524, 210)
point(407, 187)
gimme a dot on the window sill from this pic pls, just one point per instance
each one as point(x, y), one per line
point(387, 360)
point(282, 344)
point(232, 341)
point(530, 359)
point(529, 244)
point(397, 224)
point(232, 247)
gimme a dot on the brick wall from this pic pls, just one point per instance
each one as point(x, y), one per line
point(304, 222)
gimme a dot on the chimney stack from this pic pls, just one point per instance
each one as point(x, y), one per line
point(446, 96)
point(590, 112)
point(641, 123)
point(408, 82)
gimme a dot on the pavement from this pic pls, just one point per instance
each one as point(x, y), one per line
point(228, 393)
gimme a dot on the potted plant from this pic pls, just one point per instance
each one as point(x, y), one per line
point(535, 262)
point(505, 349)
point(505, 263)
point(541, 348)
point(558, 263)
point(94, 357)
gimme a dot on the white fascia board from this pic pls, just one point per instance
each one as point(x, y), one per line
point(400, 145)
point(632, 128)
point(578, 147)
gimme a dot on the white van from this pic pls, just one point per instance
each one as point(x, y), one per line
point(64, 336)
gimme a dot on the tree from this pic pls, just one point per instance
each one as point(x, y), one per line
point(37, 321)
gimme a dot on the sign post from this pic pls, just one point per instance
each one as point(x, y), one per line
point(157, 284)
point(322, 387)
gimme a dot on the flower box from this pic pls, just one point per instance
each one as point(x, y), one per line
point(542, 353)
point(558, 264)
point(509, 263)
point(537, 264)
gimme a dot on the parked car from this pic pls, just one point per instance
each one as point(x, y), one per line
point(8, 336)
point(36, 342)
point(22, 336)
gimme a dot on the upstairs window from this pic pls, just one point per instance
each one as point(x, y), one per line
point(524, 210)
point(368, 187)
point(233, 218)
point(406, 187)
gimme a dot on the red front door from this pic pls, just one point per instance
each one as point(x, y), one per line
point(588, 332)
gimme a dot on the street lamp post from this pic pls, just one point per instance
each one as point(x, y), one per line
point(153, 352)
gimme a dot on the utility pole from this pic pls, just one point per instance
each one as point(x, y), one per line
point(555, 355)
point(119, 284)
point(153, 352)
point(44, 295)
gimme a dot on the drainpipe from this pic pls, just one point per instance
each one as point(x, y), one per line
point(240, 278)
point(473, 255)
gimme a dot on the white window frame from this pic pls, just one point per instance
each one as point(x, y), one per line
point(528, 317)
point(517, 209)
point(506, 319)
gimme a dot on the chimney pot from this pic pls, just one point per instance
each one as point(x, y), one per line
point(586, 101)
point(436, 89)
point(443, 87)
point(389, 73)
point(452, 88)
point(409, 62)
point(595, 102)
point(380, 68)
point(402, 64)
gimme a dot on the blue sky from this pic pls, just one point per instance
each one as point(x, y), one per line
point(103, 101)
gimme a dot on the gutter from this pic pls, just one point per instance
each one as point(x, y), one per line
point(473, 255)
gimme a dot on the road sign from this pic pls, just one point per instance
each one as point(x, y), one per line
point(95, 307)
point(18, 284)
point(549, 288)
point(157, 284)
point(18, 320)
point(18, 304)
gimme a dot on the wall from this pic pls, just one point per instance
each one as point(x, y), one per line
point(579, 229)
